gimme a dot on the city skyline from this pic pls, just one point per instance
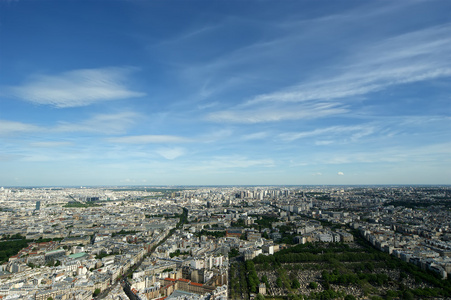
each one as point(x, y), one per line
point(224, 93)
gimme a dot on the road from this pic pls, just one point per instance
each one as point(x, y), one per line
point(103, 294)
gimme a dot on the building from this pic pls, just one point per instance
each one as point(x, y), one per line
point(234, 232)
point(54, 254)
point(262, 289)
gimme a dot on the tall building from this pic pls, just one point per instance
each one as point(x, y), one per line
point(38, 205)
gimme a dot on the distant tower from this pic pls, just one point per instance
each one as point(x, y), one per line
point(38, 205)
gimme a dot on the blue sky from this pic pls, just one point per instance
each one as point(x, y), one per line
point(225, 92)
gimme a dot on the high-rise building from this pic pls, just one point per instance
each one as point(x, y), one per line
point(38, 205)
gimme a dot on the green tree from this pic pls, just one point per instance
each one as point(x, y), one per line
point(265, 281)
point(295, 284)
point(233, 252)
point(279, 282)
point(408, 295)
point(96, 292)
point(313, 285)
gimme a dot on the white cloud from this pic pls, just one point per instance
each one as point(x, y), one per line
point(323, 143)
point(291, 136)
point(434, 153)
point(101, 123)
point(333, 131)
point(340, 173)
point(216, 135)
point(171, 153)
point(51, 144)
point(274, 114)
point(207, 105)
point(255, 136)
point(398, 60)
point(11, 127)
point(149, 139)
point(192, 33)
point(76, 88)
point(230, 162)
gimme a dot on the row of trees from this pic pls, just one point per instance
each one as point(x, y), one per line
point(252, 278)
point(281, 258)
point(354, 278)
point(16, 236)
point(124, 232)
point(238, 281)
point(10, 248)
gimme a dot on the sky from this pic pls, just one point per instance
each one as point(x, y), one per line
point(225, 92)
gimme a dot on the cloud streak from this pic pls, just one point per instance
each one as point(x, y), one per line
point(51, 144)
point(357, 131)
point(149, 139)
point(11, 127)
point(170, 153)
point(101, 123)
point(76, 88)
point(275, 114)
point(231, 162)
point(370, 68)
point(397, 60)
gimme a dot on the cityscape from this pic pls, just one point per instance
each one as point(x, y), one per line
point(225, 242)
point(226, 149)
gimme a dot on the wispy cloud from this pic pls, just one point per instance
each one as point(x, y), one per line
point(191, 34)
point(101, 123)
point(149, 139)
point(51, 144)
point(434, 153)
point(255, 136)
point(230, 162)
point(274, 114)
point(171, 153)
point(76, 88)
point(353, 133)
point(407, 58)
point(323, 143)
point(207, 105)
point(216, 135)
point(11, 127)
point(412, 57)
